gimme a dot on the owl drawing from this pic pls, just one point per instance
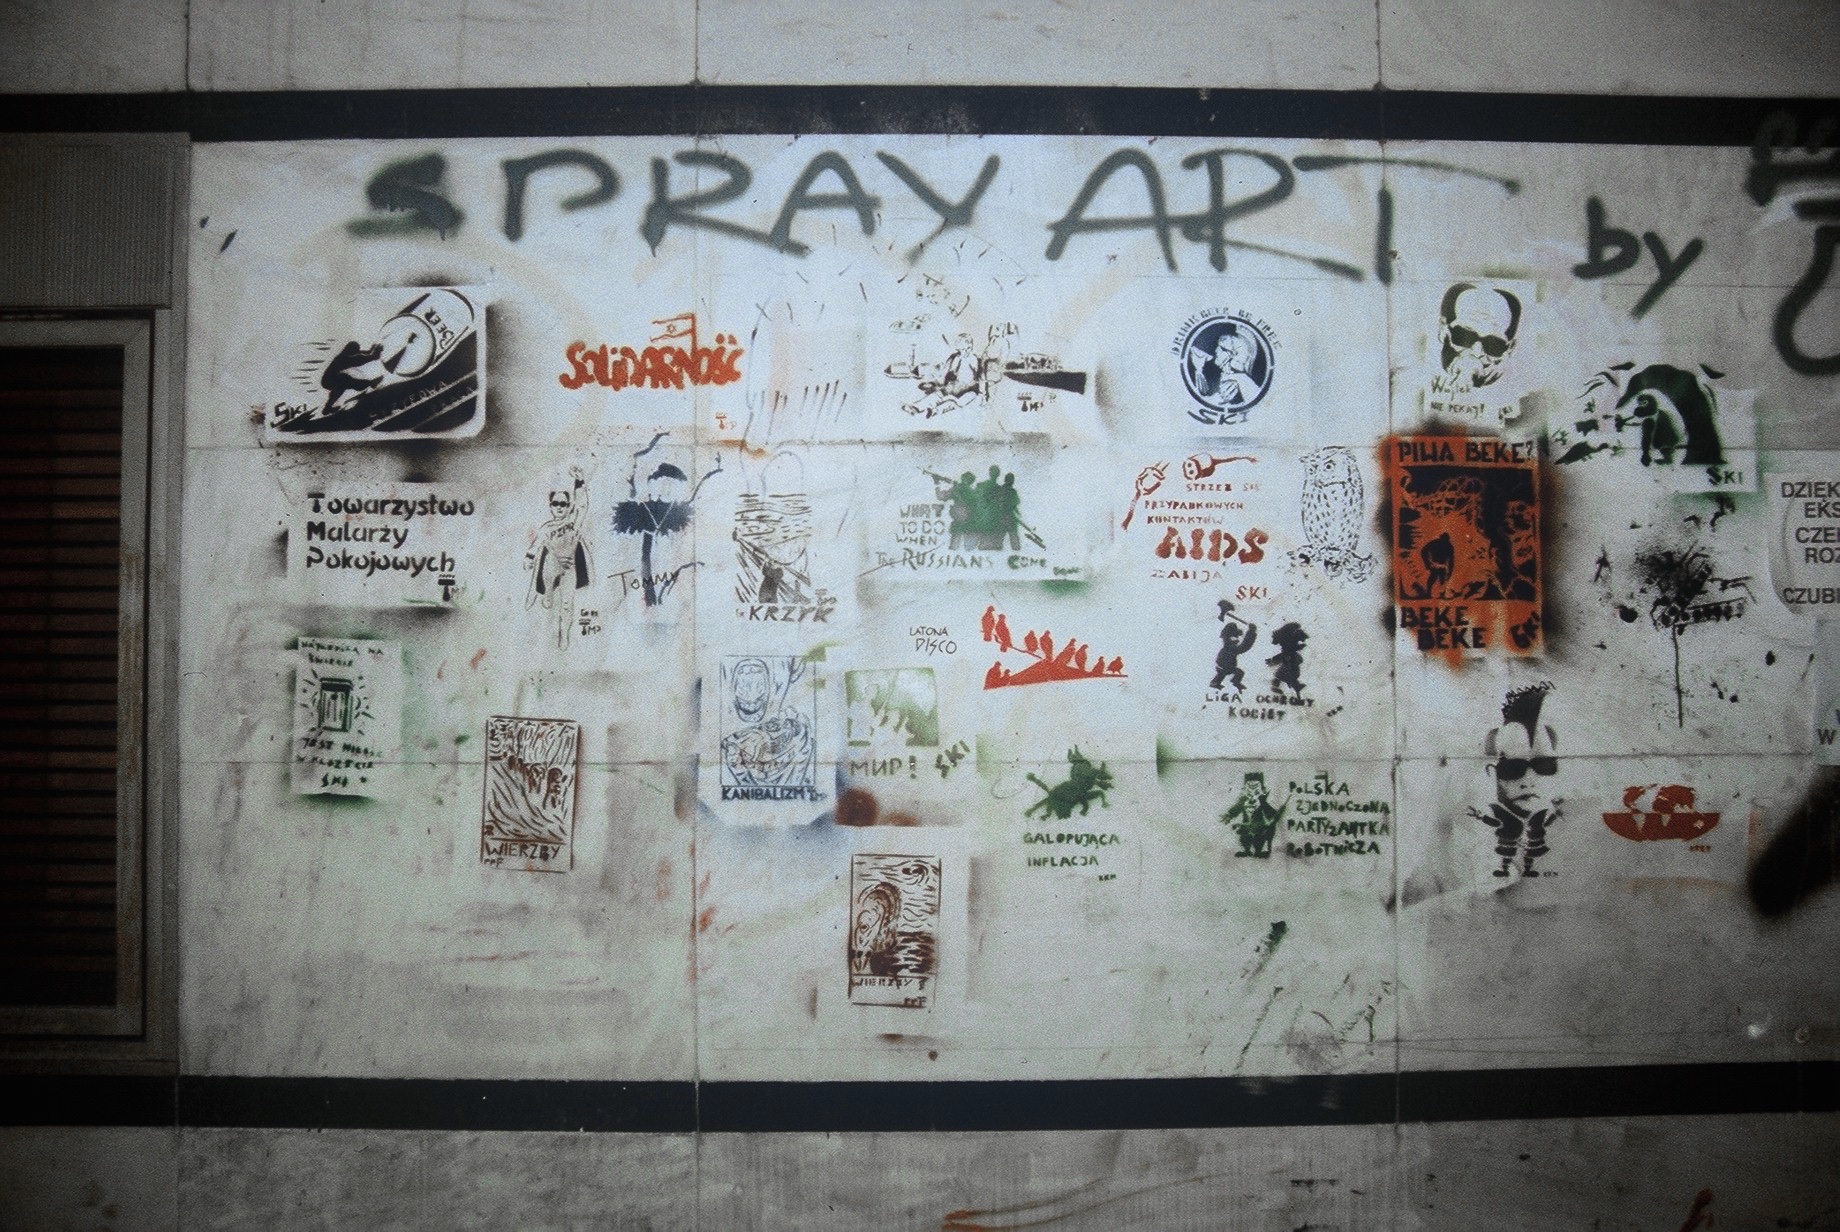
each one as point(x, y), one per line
point(1334, 504)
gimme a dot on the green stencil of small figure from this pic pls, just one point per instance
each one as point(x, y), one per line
point(1085, 783)
point(1254, 818)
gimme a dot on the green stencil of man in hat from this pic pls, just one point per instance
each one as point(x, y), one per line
point(1254, 818)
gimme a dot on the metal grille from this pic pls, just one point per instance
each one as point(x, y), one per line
point(88, 220)
point(60, 585)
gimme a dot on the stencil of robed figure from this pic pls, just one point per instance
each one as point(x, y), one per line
point(559, 564)
point(1524, 753)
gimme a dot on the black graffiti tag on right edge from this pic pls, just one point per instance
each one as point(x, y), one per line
point(1766, 176)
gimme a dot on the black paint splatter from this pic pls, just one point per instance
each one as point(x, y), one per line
point(1804, 855)
point(1677, 576)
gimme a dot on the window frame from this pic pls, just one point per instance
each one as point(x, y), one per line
point(98, 228)
point(126, 1017)
point(138, 1033)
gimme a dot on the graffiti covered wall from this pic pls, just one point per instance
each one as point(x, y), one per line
point(1039, 607)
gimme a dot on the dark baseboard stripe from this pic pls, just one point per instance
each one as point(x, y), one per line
point(435, 1103)
point(1408, 115)
point(1619, 1091)
point(888, 1107)
point(82, 1099)
point(1149, 1103)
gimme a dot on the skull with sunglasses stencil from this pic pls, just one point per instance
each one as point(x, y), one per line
point(1477, 375)
point(1523, 754)
point(1477, 326)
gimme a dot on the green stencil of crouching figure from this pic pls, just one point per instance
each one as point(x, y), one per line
point(1084, 784)
point(1254, 818)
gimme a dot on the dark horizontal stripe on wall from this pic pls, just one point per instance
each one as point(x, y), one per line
point(436, 1103)
point(1120, 112)
point(889, 1107)
point(72, 1099)
point(1619, 1091)
point(1117, 1103)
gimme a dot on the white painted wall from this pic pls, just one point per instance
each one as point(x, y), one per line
point(366, 938)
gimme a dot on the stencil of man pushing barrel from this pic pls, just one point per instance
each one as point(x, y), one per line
point(418, 375)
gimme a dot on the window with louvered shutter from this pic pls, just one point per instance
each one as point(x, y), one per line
point(73, 397)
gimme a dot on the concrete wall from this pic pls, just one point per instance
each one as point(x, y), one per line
point(687, 935)
point(1778, 47)
point(1630, 1175)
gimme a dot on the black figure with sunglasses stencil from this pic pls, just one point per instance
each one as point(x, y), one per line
point(1477, 326)
point(1524, 757)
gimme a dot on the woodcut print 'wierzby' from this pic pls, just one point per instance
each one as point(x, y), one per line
point(894, 930)
point(528, 818)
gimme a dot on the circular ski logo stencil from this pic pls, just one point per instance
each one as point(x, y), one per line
point(1227, 365)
